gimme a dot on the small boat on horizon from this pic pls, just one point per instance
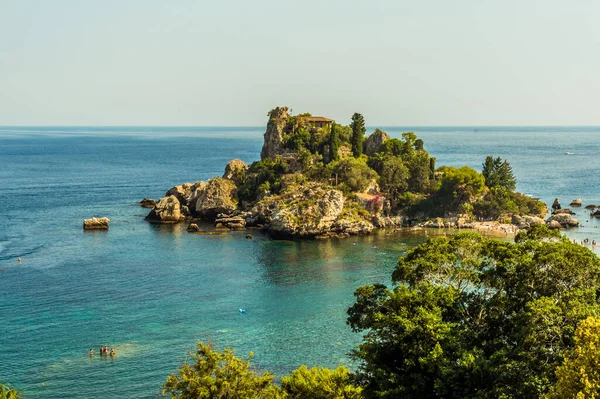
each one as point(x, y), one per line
point(569, 153)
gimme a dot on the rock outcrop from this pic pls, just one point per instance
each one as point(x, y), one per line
point(235, 170)
point(374, 141)
point(591, 206)
point(273, 141)
point(576, 202)
point(301, 211)
point(96, 224)
point(564, 219)
point(181, 192)
point(196, 190)
point(556, 204)
point(525, 222)
point(218, 196)
point(193, 228)
point(147, 203)
point(166, 210)
point(563, 211)
point(230, 222)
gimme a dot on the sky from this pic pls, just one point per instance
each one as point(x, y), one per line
point(228, 62)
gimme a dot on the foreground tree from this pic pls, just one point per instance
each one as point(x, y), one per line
point(358, 134)
point(319, 382)
point(579, 375)
point(222, 375)
point(8, 393)
point(214, 375)
point(472, 317)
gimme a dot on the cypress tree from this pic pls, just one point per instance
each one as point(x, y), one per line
point(334, 144)
point(358, 133)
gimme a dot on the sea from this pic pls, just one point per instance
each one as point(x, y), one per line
point(152, 292)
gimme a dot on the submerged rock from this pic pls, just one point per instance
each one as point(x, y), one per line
point(96, 224)
point(166, 210)
point(590, 206)
point(147, 203)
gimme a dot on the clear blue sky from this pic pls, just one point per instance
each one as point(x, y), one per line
point(183, 62)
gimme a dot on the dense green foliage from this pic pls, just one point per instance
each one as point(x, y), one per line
point(358, 133)
point(352, 174)
point(471, 317)
point(222, 375)
point(334, 143)
point(579, 375)
point(8, 393)
point(498, 173)
point(407, 175)
point(319, 382)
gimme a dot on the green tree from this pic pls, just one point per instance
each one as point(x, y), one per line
point(394, 176)
point(219, 375)
point(334, 144)
point(498, 173)
point(358, 134)
point(8, 393)
point(579, 375)
point(353, 174)
point(473, 317)
point(320, 383)
point(458, 185)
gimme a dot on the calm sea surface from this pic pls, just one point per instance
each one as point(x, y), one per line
point(153, 291)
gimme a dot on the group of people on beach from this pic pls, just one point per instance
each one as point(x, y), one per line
point(104, 351)
point(586, 242)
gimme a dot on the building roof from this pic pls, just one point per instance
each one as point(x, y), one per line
point(318, 119)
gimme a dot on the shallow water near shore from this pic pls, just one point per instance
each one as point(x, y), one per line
point(152, 291)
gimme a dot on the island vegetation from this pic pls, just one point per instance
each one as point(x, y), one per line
point(319, 178)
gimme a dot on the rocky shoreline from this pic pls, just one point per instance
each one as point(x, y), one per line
point(301, 207)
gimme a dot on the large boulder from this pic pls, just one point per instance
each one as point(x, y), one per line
point(235, 170)
point(196, 189)
point(352, 226)
point(565, 220)
point(147, 203)
point(230, 222)
point(561, 211)
point(218, 196)
point(556, 204)
point(525, 222)
point(301, 211)
point(96, 224)
point(166, 210)
point(273, 139)
point(576, 202)
point(181, 192)
point(374, 141)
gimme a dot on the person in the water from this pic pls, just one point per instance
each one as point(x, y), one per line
point(112, 352)
point(91, 352)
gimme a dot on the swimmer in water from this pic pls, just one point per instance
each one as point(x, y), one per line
point(91, 352)
point(112, 352)
point(19, 260)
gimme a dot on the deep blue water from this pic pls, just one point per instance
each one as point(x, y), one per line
point(153, 291)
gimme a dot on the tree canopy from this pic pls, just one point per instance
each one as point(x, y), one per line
point(498, 173)
point(210, 374)
point(8, 393)
point(358, 132)
point(472, 317)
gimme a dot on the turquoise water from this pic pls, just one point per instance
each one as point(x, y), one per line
point(153, 291)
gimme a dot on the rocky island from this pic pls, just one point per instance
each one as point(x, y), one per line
point(320, 179)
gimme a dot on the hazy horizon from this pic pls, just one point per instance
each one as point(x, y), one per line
point(199, 63)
